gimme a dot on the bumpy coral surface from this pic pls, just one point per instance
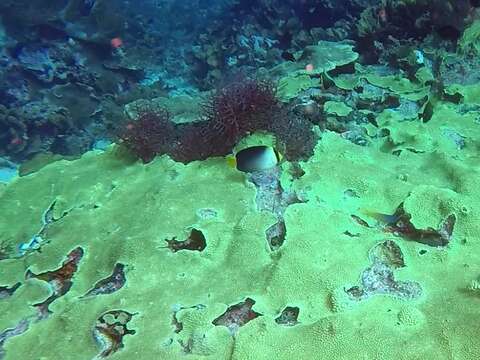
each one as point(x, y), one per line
point(101, 258)
point(361, 243)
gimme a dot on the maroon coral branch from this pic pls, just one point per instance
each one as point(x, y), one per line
point(151, 134)
point(242, 107)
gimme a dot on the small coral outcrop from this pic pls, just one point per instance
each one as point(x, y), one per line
point(232, 112)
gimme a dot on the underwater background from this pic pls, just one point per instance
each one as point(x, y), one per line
point(240, 179)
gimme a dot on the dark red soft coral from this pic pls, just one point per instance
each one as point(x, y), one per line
point(244, 106)
point(250, 105)
point(241, 107)
point(150, 134)
point(198, 141)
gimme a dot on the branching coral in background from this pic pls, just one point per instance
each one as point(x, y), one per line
point(13, 132)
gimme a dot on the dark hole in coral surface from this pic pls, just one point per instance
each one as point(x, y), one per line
point(355, 292)
point(8, 333)
point(289, 316)
point(109, 284)
point(379, 279)
point(176, 324)
point(60, 280)
point(110, 329)
point(195, 241)
point(6, 291)
point(350, 234)
point(359, 220)
point(454, 98)
point(428, 236)
point(400, 224)
point(237, 315)
point(276, 235)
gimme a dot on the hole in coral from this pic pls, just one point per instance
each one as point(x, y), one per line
point(6, 291)
point(6, 334)
point(59, 281)
point(237, 315)
point(273, 198)
point(355, 292)
point(383, 132)
point(400, 225)
point(348, 233)
point(178, 326)
point(110, 284)
point(350, 193)
point(456, 98)
point(359, 220)
point(379, 279)
point(196, 241)
point(289, 316)
point(110, 329)
point(276, 235)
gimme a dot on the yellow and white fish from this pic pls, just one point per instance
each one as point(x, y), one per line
point(255, 158)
